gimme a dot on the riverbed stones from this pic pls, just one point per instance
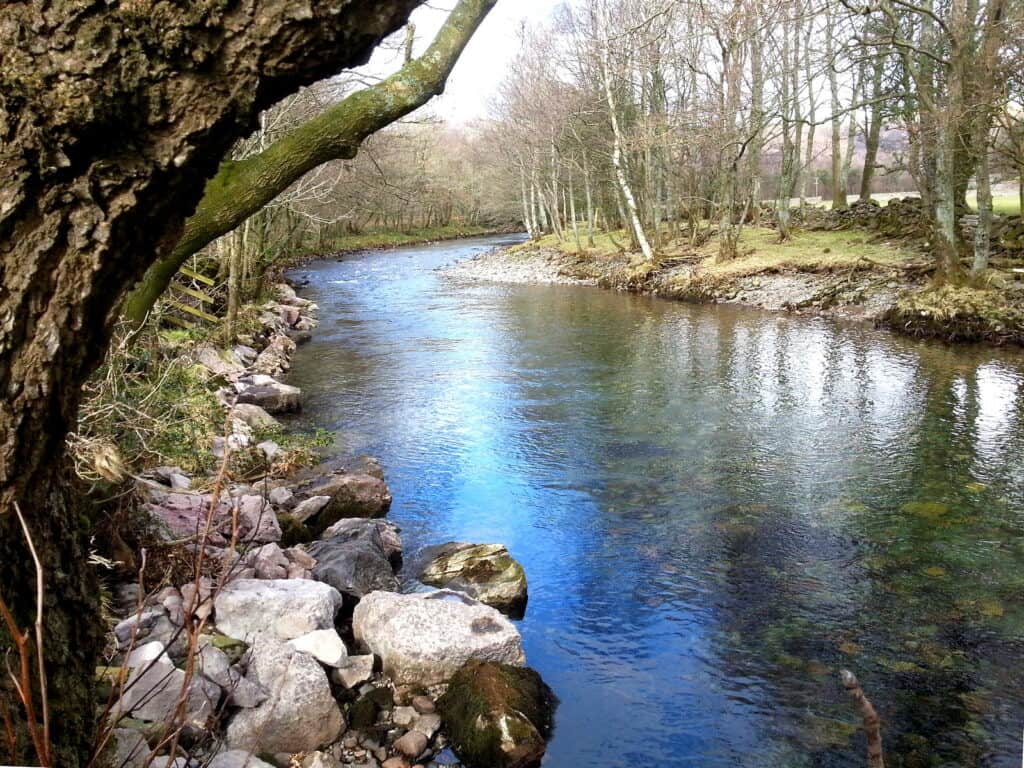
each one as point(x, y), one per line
point(354, 560)
point(301, 714)
point(280, 609)
point(498, 716)
point(485, 572)
point(425, 638)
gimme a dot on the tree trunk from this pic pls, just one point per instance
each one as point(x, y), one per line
point(874, 131)
point(618, 163)
point(110, 121)
point(838, 179)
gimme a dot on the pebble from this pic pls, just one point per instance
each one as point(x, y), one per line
point(404, 716)
point(424, 705)
point(428, 725)
point(412, 744)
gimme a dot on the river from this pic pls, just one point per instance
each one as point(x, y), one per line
point(717, 508)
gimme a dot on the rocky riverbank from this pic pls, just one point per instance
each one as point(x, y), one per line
point(849, 274)
point(267, 625)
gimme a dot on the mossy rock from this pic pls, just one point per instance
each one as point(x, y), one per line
point(485, 572)
point(498, 716)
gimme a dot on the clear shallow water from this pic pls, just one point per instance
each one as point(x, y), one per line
point(717, 508)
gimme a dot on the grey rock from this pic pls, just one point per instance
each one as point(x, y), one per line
point(255, 417)
point(425, 638)
point(281, 497)
point(270, 394)
point(130, 748)
point(245, 354)
point(310, 507)
point(257, 520)
point(384, 533)
point(137, 625)
point(428, 725)
point(275, 359)
point(354, 561)
point(358, 670)
point(403, 716)
point(153, 689)
point(271, 450)
point(280, 609)
point(301, 715)
point(237, 758)
point(220, 362)
point(324, 645)
point(269, 561)
point(352, 495)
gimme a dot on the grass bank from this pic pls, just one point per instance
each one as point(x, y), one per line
point(850, 273)
point(379, 239)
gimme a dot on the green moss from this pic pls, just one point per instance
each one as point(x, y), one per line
point(488, 704)
point(292, 531)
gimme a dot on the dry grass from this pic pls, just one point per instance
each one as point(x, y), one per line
point(761, 251)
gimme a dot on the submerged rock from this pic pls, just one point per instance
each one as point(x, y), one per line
point(281, 609)
point(498, 716)
point(425, 638)
point(485, 572)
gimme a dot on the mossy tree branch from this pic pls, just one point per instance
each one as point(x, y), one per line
point(242, 187)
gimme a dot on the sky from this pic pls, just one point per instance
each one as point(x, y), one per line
point(481, 68)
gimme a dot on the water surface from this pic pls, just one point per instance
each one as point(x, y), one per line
point(717, 508)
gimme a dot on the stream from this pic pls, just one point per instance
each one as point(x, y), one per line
point(717, 508)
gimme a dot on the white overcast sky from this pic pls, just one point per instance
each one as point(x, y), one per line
point(482, 66)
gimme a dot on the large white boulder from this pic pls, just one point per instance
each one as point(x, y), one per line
point(278, 609)
point(425, 638)
point(301, 713)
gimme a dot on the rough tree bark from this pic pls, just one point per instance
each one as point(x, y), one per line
point(243, 187)
point(112, 116)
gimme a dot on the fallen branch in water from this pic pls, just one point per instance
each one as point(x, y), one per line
point(872, 722)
